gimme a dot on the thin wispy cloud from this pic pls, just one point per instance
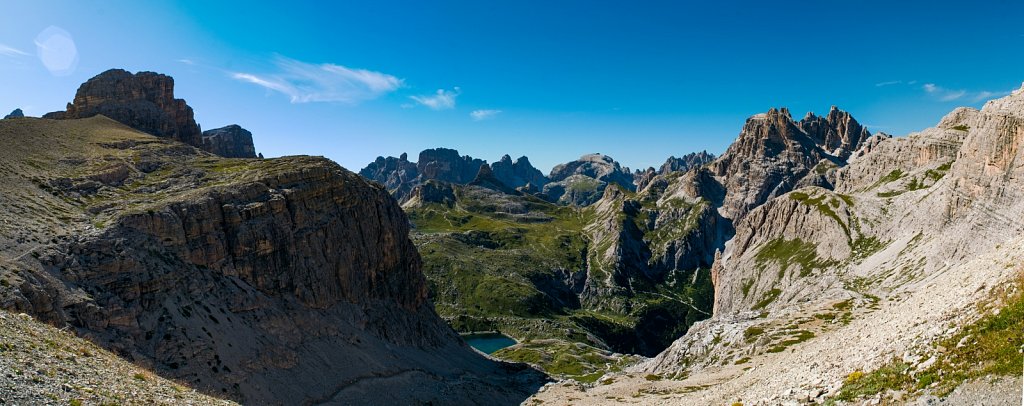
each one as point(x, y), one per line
point(11, 51)
point(440, 100)
point(946, 95)
point(986, 95)
point(486, 114)
point(889, 83)
point(187, 61)
point(306, 82)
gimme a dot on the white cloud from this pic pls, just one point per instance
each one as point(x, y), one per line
point(480, 115)
point(187, 61)
point(944, 94)
point(891, 82)
point(11, 51)
point(306, 82)
point(441, 100)
point(987, 95)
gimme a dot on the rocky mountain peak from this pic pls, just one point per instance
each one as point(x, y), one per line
point(144, 101)
point(17, 113)
point(431, 191)
point(1012, 104)
point(518, 173)
point(396, 174)
point(687, 162)
point(958, 118)
point(231, 141)
point(446, 165)
point(486, 178)
point(582, 182)
point(485, 172)
point(592, 165)
point(838, 133)
point(773, 154)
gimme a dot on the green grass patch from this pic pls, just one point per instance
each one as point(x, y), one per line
point(824, 206)
point(752, 332)
point(893, 376)
point(792, 252)
point(567, 360)
point(893, 176)
point(864, 247)
point(769, 297)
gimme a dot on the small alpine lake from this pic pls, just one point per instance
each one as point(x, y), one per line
point(488, 343)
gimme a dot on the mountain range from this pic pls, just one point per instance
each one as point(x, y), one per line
point(812, 262)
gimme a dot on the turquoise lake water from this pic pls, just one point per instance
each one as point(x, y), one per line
point(488, 343)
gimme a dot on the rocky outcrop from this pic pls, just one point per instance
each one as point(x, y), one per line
point(644, 178)
point(485, 178)
point(582, 182)
point(518, 173)
point(446, 165)
point(17, 113)
point(773, 154)
point(908, 247)
point(231, 141)
point(144, 101)
point(248, 279)
point(398, 175)
point(660, 242)
point(837, 133)
point(432, 191)
point(687, 162)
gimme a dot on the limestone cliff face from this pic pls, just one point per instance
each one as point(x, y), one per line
point(837, 133)
point(144, 101)
point(277, 281)
point(446, 165)
point(906, 215)
point(431, 191)
point(964, 172)
point(788, 242)
point(519, 173)
point(230, 141)
point(686, 162)
point(398, 175)
point(774, 154)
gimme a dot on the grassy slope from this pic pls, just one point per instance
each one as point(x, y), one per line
point(137, 169)
point(993, 345)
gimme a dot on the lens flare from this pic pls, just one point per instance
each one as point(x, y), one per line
point(56, 50)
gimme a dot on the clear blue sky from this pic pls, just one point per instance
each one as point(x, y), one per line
point(551, 80)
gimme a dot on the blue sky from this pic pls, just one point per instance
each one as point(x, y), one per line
point(551, 80)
